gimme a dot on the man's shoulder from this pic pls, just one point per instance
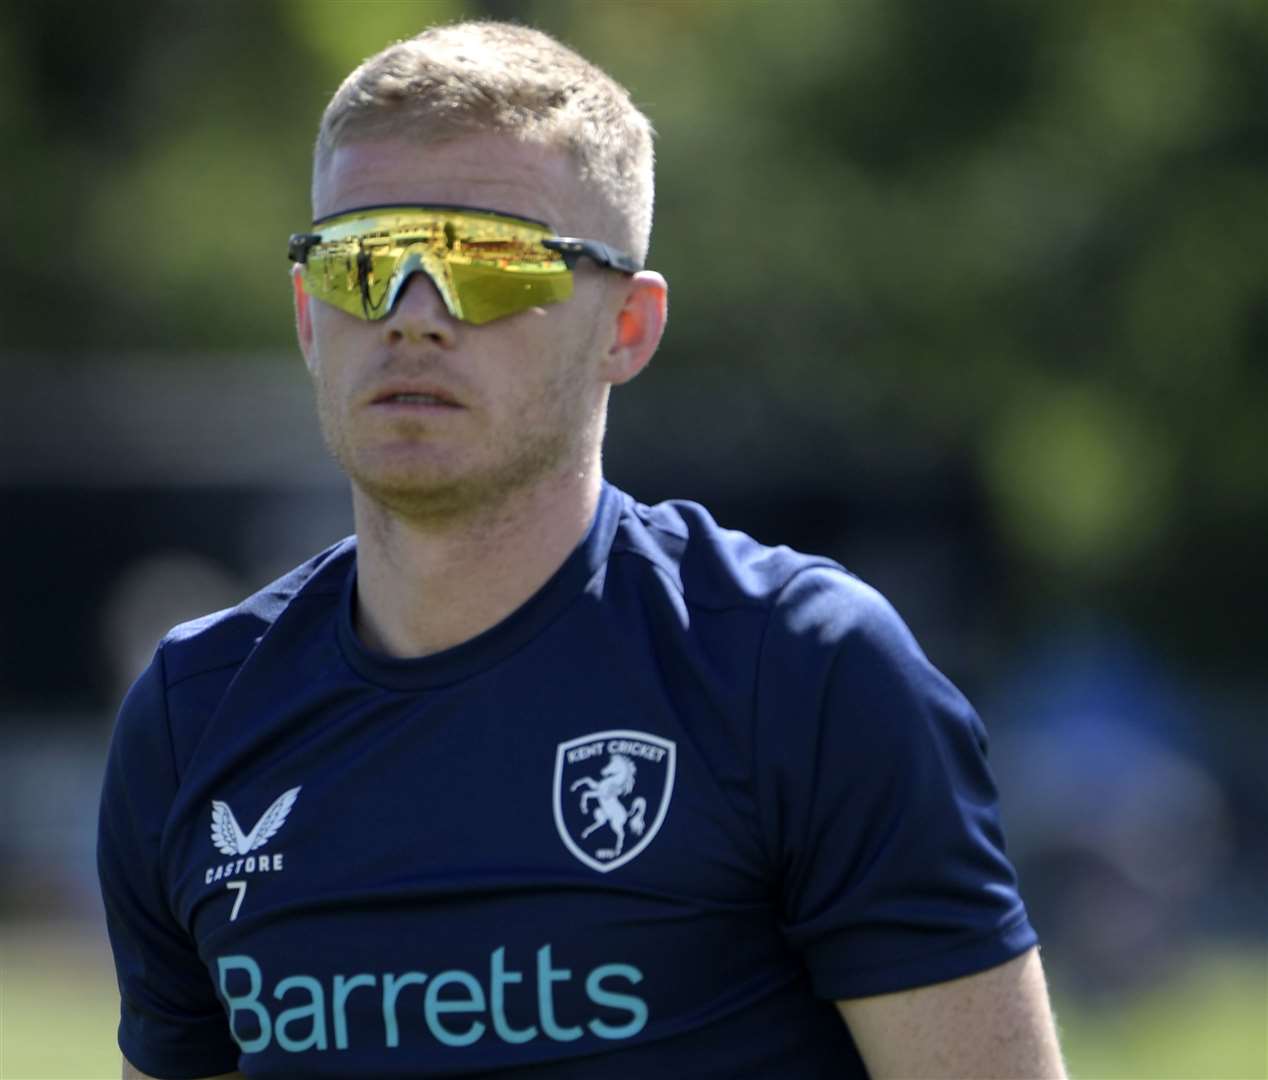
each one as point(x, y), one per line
point(714, 567)
point(223, 639)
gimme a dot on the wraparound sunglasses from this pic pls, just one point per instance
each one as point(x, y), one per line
point(484, 264)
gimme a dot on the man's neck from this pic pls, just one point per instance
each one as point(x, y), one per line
point(424, 586)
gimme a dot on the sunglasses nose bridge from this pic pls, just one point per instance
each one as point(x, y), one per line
point(416, 262)
point(424, 311)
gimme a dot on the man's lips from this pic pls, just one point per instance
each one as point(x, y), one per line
point(415, 395)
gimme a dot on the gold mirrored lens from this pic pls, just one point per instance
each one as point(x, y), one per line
point(485, 266)
point(351, 279)
point(486, 293)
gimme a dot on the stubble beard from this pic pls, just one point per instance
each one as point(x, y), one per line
point(564, 441)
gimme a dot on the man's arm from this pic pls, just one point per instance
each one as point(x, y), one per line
point(131, 1072)
point(170, 1016)
point(997, 1023)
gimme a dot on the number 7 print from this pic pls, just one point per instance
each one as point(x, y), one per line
point(241, 888)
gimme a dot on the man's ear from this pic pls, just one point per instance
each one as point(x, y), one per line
point(303, 317)
point(639, 326)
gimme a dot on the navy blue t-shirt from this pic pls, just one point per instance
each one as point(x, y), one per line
point(651, 824)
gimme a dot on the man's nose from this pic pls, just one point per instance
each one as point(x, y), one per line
point(419, 315)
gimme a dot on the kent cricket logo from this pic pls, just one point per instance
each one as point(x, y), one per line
point(611, 794)
point(229, 839)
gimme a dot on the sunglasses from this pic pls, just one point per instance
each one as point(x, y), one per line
point(485, 265)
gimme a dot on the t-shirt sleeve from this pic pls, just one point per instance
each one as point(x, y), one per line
point(171, 1023)
point(880, 808)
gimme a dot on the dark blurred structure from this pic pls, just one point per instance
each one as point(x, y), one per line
point(972, 296)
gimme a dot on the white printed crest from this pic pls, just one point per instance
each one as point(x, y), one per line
point(612, 791)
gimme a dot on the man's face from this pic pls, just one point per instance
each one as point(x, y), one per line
point(428, 414)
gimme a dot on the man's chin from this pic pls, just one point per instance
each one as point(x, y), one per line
point(411, 495)
point(426, 489)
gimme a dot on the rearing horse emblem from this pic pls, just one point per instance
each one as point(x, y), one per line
point(601, 818)
point(618, 779)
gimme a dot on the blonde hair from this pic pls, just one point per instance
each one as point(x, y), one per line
point(487, 77)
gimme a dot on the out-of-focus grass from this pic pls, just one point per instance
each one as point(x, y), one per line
point(59, 1010)
point(1208, 1022)
point(59, 1005)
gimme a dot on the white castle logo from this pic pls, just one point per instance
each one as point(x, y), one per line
point(607, 825)
point(618, 779)
point(226, 833)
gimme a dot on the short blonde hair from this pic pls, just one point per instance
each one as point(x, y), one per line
point(486, 77)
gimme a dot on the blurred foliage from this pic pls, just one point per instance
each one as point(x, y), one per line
point(1030, 237)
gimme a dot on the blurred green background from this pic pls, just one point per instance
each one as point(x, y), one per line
point(971, 295)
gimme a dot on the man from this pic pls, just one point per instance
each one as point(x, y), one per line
point(528, 776)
